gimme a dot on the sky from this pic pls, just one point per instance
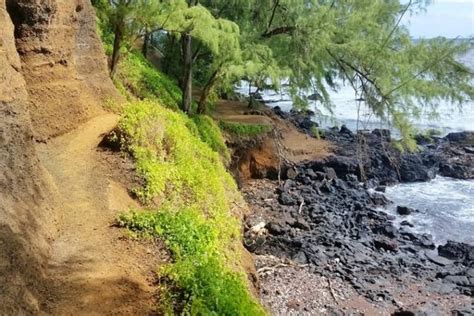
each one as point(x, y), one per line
point(448, 18)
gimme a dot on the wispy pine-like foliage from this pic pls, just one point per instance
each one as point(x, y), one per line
point(314, 44)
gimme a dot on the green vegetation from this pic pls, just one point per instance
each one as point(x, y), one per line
point(189, 195)
point(311, 44)
point(317, 132)
point(244, 129)
point(210, 133)
point(181, 156)
point(142, 80)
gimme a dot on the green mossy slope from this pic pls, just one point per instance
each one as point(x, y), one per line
point(190, 199)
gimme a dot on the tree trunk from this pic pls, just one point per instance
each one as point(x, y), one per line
point(146, 43)
point(207, 90)
point(250, 95)
point(187, 82)
point(116, 50)
point(252, 101)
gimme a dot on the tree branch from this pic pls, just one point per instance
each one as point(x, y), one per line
point(279, 31)
point(275, 6)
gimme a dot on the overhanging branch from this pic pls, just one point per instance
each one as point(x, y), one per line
point(279, 31)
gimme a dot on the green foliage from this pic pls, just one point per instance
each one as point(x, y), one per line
point(171, 157)
point(190, 195)
point(199, 265)
point(145, 82)
point(314, 43)
point(317, 132)
point(220, 36)
point(244, 129)
point(210, 133)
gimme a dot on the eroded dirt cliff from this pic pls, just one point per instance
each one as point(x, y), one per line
point(53, 78)
point(62, 61)
point(26, 195)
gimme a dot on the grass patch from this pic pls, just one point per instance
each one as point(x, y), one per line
point(317, 132)
point(210, 133)
point(190, 196)
point(244, 129)
point(143, 81)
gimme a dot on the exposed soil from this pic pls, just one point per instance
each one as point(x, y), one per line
point(264, 156)
point(94, 269)
point(59, 253)
point(62, 62)
point(296, 146)
point(26, 198)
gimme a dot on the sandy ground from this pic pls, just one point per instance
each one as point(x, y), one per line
point(94, 270)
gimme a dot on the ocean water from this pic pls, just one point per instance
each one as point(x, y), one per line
point(446, 208)
point(446, 205)
point(356, 115)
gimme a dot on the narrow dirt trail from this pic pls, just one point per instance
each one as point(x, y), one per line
point(93, 270)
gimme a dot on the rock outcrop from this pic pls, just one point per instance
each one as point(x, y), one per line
point(334, 226)
point(26, 218)
point(62, 61)
point(53, 76)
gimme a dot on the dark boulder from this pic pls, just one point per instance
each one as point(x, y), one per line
point(286, 199)
point(461, 137)
point(466, 311)
point(379, 199)
point(404, 210)
point(275, 229)
point(301, 223)
point(345, 130)
point(469, 150)
point(315, 97)
point(292, 173)
point(457, 169)
point(342, 165)
point(407, 223)
point(457, 251)
point(381, 188)
point(458, 280)
point(425, 241)
point(387, 230)
point(386, 244)
point(278, 111)
point(330, 173)
point(437, 259)
point(412, 169)
point(257, 96)
point(384, 134)
point(307, 124)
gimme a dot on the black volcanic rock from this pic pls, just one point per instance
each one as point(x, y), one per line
point(404, 210)
point(457, 251)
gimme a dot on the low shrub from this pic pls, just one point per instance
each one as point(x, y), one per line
point(136, 74)
point(210, 133)
point(244, 129)
point(189, 195)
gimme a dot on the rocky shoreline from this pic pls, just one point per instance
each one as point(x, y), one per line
point(327, 216)
point(372, 155)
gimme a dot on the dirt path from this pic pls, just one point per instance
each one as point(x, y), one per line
point(297, 145)
point(93, 270)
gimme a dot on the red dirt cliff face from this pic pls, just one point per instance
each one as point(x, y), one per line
point(62, 61)
point(53, 76)
point(26, 196)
